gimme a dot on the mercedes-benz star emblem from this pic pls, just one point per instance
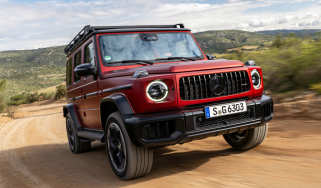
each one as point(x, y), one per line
point(217, 85)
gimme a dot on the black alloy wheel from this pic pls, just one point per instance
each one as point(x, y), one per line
point(116, 147)
point(71, 135)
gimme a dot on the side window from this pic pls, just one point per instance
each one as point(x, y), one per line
point(77, 61)
point(69, 72)
point(90, 54)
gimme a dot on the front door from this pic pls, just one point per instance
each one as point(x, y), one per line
point(90, 90)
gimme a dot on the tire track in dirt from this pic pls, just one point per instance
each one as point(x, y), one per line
point(13, 136)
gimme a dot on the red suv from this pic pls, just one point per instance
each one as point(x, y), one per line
point(137, 88)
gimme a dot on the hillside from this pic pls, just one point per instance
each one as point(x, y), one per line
point(299, 33)
point(220, 41)
point(30, 70)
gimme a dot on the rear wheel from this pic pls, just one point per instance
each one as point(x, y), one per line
point(127, 160)
point(76, 144)
point(247, 139)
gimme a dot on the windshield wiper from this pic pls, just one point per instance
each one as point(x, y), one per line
point(179, 58)
point(142, 62)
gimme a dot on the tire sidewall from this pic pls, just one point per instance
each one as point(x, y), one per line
point(116, 118)
point(255, 137)
point(68, 118)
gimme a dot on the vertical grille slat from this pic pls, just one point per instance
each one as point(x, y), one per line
point(232, 83)
point(242, 80)
point(236, 82)
point(190, 86)
point(228, 84)
point(238, 76)
point(185, 88)
point(199, 86)
point(196, 89)
point(205, 86)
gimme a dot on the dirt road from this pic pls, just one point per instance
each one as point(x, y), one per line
point(34, 153)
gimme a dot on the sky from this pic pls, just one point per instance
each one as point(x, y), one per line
point(29, 24)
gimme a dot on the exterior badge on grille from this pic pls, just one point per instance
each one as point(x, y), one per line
point(217, 85)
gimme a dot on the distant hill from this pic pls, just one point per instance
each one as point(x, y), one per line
point(298, 33)
point(30, 70)
point(220, 41)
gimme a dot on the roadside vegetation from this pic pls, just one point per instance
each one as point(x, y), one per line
point(290, 63)
point(30, 97)
point(316, 88)
point(2, 95)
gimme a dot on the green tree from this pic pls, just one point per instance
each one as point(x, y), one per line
point(277, 42)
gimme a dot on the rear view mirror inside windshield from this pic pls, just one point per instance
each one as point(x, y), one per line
point(149, 36)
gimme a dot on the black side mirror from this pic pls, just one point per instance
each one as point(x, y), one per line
point(210, 57)
point(85, 69)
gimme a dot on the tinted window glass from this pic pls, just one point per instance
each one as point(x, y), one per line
point(69, 72)
point(90, 54)
point(77, 61)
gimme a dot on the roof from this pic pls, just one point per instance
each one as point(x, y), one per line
point(89, 31)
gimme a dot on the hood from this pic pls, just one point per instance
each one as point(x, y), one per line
point(178, 67)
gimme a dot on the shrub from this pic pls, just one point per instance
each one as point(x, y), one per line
point(2, 96)
point(316, 87)
point(23, 98)
point(27, 98)
point(277, 43)
point(60, 92)
point(46, 96)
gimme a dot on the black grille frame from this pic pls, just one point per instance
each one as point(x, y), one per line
point(197, 86)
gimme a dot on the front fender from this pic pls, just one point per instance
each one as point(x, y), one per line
point(121, 102)
point(117, 102)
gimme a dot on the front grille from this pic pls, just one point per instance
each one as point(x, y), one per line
point(224, 121)
point(199, 86)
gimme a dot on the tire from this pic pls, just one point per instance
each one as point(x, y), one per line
point(247, 139)
point(76, 144)
point(127, 160)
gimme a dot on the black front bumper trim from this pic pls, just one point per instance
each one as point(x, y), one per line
point(169, 128)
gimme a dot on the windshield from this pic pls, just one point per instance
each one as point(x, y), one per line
point(119, 48)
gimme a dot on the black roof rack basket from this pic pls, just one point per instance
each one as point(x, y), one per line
point(86, 32)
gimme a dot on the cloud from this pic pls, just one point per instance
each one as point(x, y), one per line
point(54, 22)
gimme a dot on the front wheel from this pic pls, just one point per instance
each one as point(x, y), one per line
point(247, 139)
point(127, 160)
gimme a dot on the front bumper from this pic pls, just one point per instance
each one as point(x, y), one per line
point(162, 129)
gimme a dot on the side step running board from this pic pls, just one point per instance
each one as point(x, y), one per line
point(91, 134)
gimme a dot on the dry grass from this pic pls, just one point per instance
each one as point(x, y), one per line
point(4, 119)
point(242, 48)
point(49, 89)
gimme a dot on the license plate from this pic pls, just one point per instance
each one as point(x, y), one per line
point(225, 109)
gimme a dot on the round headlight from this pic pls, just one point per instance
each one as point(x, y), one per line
point(157, 91)
point(256, 79)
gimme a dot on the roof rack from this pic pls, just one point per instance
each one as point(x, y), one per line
point(88, 30)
